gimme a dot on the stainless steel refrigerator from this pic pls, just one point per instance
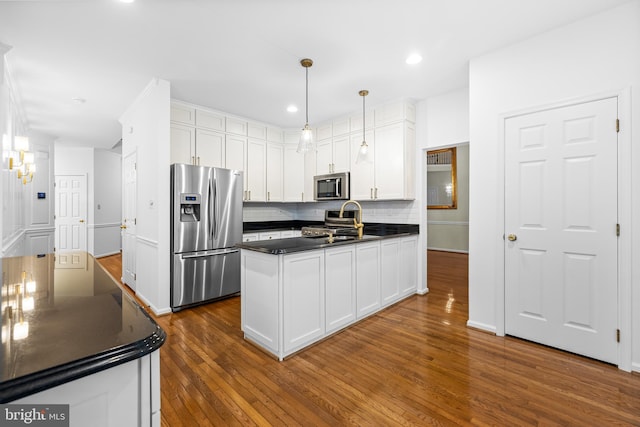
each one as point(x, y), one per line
point(206, 223)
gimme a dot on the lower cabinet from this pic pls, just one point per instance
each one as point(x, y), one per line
point(290, 301)
point(125, 395)
point(367, 278)
point(303, 299)
point(340, 287)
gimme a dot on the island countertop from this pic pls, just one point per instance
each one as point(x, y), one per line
point(299, 244)
point(64, 318)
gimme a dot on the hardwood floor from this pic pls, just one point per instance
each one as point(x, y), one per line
point(416, 363)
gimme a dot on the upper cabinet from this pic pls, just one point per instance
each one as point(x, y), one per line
point(275, 172)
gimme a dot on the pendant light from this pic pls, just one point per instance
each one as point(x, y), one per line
point(306, 137)
point(363, 152)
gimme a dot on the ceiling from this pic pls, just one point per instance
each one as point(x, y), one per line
point(242, 56)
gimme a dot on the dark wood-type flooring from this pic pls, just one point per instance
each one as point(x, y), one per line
point(416, 363)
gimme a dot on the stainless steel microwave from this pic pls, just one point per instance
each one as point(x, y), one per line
point(333, 186)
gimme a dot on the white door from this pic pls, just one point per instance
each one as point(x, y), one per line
point(71, 213)
point(129, 221)
point(560, 228)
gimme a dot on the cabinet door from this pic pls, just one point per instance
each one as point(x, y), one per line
point(182, 144)
point(303, 299)
point(210, 148)
point(389, 271)
point(362, 174)
point(182, 114)
point(341, 155)
point(256, 170)
point(275, 155)
point(408, 265)
point(340, 287)
point(309, 173)
point(294, 179)
point(235, 147)
point(367, 278)
point(324, 157)
point(250, 237)
point(269, 235)
point(389, 165)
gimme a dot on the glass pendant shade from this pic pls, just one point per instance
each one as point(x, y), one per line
point(306, 140)
point(363, 152)
point(306, 137)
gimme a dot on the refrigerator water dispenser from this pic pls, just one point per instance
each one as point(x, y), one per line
point(189, 207)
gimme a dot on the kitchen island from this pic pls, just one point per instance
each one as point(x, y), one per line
point(298, 291)
point(71, 335)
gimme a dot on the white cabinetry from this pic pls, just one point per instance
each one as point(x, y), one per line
point(183, 144)
point(250, 237)
point(210, 148)
point(389, 271)
point(367, 278)
point(290, 301)
point(303, 302)
point(125, 395)
point(236, 147)
point(293, 174)
point(260, 302)
point(333, 155)
point(363, 174)
point(275, 172)
point(340, 287)
point(394, 162)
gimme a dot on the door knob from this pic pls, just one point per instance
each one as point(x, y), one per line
point(512, 237)
point(82, 220)
point(123, 227)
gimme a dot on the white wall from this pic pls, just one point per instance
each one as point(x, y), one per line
point(145, 130)
point(590, 57)
point(26, 223)
point(103, 171)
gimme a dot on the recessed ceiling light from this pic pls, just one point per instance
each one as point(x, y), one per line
point(79, 100)
point(413, 59)
point(126, 1)
point(292, 109)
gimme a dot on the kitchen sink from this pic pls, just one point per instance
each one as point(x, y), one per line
point(342, 238)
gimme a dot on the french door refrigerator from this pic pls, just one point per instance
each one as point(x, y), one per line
point(206, 223)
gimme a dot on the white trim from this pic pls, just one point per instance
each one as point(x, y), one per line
point(481, 326)
point(105, 225)
point(34, 230)
point(448, 223)
point(146, 241)
point(108, 254)
point(624, 216)
point(13, 240)
point(448, 250)
point(635, 367)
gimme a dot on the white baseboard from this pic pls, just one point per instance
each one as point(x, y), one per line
point(422, 291)
point(481, 326)
point(448, 250)
point(635, 367)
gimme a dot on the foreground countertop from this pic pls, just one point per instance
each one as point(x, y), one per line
point(65, 320)
point(298, 244)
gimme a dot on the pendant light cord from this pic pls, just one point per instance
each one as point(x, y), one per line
point(307, 96)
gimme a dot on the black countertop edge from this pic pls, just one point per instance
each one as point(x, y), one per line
point(58, 375)
point(370, 227)
point(301, 244)
point(255, 227)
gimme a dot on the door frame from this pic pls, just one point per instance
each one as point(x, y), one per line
point(56, 245)
point(624, 216)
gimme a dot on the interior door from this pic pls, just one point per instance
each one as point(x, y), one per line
point(128, 226)
point(560, 228)
point(71, 213)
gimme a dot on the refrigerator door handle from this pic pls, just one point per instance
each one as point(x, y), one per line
point(215, 209)
point(210, 253)
point(210, 210)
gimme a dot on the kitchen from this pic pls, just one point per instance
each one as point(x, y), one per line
point(487, 81)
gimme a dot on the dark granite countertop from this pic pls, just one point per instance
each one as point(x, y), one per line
point(259, 226)
point(65, 320)
point(298, 244)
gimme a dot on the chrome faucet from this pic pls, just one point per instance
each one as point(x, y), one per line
point(356, 223)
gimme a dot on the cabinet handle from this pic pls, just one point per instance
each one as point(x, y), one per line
point(249, 195)
point(268, 196)
point(198, 160)
point(371, 192)
point(375, 193)
point(302, 196)
point(245, 195)
point(193, 160)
